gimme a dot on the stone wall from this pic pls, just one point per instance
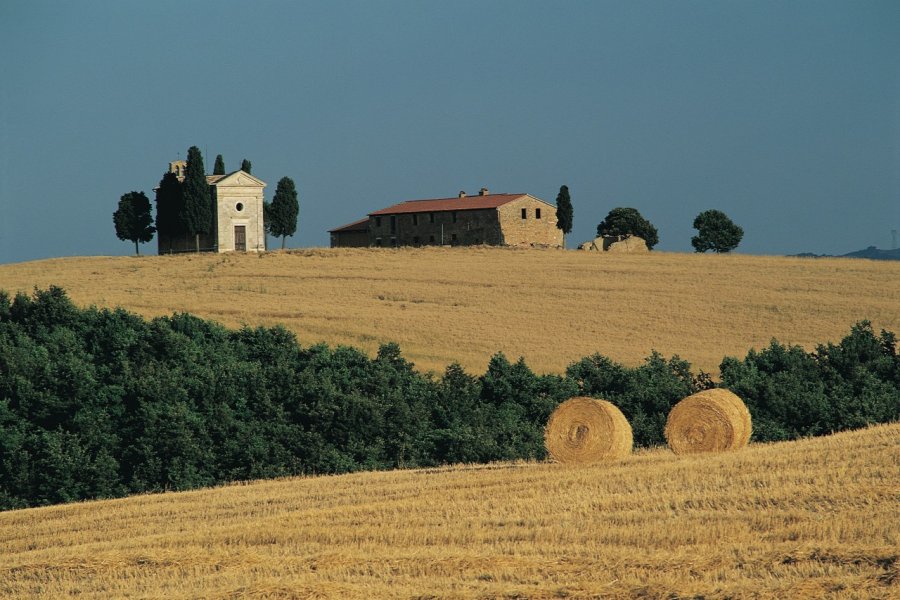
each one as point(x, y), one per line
point(350, 239)
point(453, 228)
point(529, 222)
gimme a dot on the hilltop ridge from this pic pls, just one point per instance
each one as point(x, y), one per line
point(465, 304)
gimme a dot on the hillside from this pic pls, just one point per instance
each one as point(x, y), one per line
point(808, 519)
point(871, 253)
point(875, 254)
point(464, 304)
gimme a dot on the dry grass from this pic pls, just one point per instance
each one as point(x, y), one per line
point(809, 519)
point(550, 306)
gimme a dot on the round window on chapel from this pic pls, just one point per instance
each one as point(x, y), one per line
point(239, 207)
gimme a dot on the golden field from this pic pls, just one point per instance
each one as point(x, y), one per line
point(464, 304)
point(815, 518)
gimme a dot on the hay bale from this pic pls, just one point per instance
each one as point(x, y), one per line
point(709, 421)
point(585, 430)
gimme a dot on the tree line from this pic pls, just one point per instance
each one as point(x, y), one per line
point(185, 206)
point(99, 403)
point(715, 230)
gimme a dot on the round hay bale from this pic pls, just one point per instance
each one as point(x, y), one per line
point(584, 430)
point(709, 421)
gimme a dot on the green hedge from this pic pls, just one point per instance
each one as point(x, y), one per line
point(102, 403)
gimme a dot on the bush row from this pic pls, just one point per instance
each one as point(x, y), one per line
point(103, 403)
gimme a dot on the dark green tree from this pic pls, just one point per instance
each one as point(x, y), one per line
point(715, 231)
point(197, 215)
point(219, 168)
point(132, 219)
point(246, 166)
point(169, 206)
point(628, 221)
point(564, 212)
point(281, 213)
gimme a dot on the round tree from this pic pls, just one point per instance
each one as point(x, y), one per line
point(716, 232)
point(132, 219)
point(564, 212)
point(628, 221)
point(281, 214)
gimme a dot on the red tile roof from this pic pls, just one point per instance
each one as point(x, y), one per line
point(361, 225)
point(445, 204)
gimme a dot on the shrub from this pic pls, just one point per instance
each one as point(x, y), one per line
point(101, 403)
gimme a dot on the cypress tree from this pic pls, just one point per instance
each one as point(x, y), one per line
point(219, 168)
point(132, 219)
point(197, 215)
point(245, 166)
point(169, 206)
point(281, 214)
point(564, 212)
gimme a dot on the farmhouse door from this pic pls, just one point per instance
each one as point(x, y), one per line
point(240, 238)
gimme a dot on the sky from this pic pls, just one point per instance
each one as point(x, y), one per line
point(784, 115)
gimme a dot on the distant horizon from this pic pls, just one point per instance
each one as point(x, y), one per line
point(275, 247)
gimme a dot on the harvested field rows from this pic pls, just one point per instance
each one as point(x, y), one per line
point(808, 519)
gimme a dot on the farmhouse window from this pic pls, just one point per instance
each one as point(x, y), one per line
point(393, 224)
point(377, 221)
point(378, 242)
point(415, 219)
point(454, 216)
point(524, 213)
point(431, 239)
point(453, 238)
point(394, 242)
point(537, 213)
point(431, 217)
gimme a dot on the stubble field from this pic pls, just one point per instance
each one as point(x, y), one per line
point(464, 304)
point(815, 518)
point(808, 519)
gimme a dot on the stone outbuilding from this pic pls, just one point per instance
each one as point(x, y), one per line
point(616, 244)
point(492, 219)
point(238, 208)
point(353, 235)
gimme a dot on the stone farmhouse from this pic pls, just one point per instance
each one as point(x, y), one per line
point(238, 201)
point(493, 219)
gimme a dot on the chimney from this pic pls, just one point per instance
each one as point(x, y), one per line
point(483, 192)
point(462, 193)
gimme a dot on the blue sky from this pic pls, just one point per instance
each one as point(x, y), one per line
point(785, 115)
